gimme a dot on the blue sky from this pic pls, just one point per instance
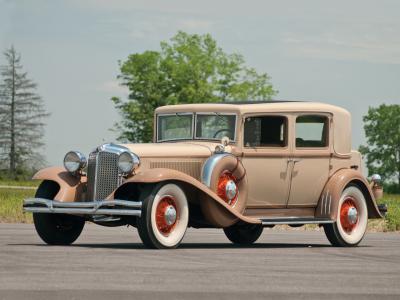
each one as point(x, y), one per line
point(344, 53)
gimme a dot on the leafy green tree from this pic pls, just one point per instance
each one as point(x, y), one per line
point(187, 69)
point(382, 129)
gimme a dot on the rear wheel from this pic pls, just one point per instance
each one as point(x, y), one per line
point(56, 229)
point(351, 221)
point(165, 216)
point(243, 234)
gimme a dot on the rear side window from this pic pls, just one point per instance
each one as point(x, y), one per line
point(311, 131)
point(266, 131)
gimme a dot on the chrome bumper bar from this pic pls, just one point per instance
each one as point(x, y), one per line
point(98, 207)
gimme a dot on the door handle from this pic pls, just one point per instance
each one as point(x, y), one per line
point(295, 160)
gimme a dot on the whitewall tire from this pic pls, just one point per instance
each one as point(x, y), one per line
point(352, 219)
point(165, 216)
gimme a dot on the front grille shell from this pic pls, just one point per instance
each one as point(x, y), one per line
point(103, 173)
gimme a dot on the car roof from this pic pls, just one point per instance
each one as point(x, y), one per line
point(243, 107)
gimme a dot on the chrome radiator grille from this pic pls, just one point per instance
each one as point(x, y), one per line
point(103, 175)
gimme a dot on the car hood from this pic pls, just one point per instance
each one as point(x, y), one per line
point(178, 149)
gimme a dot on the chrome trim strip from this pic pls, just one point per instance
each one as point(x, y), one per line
point(295, 221)
point(112, 148)
point(95, 177)
point(322, 202)
point(209, 166)
point(89, 208)
point(329, 205)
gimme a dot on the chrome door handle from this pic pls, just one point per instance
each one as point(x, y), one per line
point(295, 160)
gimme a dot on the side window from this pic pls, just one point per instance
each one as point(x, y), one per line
point(311, 131)
point(267, 131)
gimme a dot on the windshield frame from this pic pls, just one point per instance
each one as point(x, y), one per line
point(174, 114)
point(194, 125)
point(214, 114)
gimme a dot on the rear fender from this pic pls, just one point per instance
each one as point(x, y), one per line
point(226, 215)
point(70, 186)
point(329, 200)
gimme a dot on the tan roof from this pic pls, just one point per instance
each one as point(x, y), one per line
point(273, 106)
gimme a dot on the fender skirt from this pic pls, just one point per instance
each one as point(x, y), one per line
point(329, 200)
point(162, 174)
point(70, 187)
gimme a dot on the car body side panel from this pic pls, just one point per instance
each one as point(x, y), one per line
point(329, 200)
point(161, 174)
point(71, 187)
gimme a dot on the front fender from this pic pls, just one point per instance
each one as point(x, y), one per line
point(227, 214)
point(70, 186)
point(329, 200)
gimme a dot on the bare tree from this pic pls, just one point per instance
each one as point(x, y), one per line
point(21, 116)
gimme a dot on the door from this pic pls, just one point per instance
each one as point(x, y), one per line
point(265, 154)
point(310, 159)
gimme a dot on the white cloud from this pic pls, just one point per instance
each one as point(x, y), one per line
point(373, 43)
point(113, 87)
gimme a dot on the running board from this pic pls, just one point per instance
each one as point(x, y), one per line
point(295, 221)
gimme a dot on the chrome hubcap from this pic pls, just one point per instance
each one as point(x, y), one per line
point(230, 190)
point(352, 215)
point(170, 215)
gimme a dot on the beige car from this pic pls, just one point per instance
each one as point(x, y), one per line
point(236, 166)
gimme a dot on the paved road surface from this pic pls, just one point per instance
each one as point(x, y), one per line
point(110, 263)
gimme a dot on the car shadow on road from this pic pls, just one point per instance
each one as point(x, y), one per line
point(187, 246)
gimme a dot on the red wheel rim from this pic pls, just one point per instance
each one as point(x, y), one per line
point(227, 180)
point(165, 204)
point(348, 215)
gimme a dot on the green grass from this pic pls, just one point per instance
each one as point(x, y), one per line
point(11, 206)
point(32, 183)
point(392, 222)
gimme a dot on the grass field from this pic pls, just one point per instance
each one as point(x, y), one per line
point(11, 205)
point(11, 209)
point(32, 183)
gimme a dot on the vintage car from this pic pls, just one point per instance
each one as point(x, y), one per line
point(238, 166)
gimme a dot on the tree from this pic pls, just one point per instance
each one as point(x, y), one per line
point(187, 69)
point(21, 114)
point(382, 129)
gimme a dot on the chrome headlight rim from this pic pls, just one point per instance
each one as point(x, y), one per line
point(74, 161)
point(128, 162)
point(376, 178)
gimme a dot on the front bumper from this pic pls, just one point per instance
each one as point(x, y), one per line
point(99, 207)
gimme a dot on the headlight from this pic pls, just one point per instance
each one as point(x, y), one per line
point(127, 162)
point(74, 161)
point(376, 178)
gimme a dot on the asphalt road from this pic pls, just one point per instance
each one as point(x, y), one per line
point(110, 263)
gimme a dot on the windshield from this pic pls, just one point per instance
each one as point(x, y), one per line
point(208, 126)
point(175, 127)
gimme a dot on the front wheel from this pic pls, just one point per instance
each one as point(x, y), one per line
point(351, 221)
point(58, 229)
point(243, 234)
point(165, 216)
